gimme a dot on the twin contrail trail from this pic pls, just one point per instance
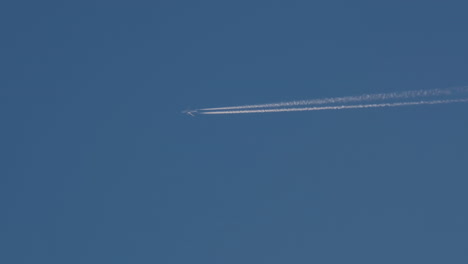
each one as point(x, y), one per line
point(338, 107)
point(396, 99)
point(349, 99)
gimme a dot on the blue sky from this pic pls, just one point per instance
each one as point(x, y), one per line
point(99, 165)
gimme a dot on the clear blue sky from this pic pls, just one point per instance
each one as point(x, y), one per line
point(97, 164)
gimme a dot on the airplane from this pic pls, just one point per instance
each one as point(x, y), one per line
point(190, 112)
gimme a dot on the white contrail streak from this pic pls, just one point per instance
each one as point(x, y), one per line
point(339, 107)
point(348, 99)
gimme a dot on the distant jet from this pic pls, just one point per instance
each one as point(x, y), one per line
point(190, 112)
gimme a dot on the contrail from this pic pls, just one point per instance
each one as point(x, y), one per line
point(349, 99)
point(339, 107)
